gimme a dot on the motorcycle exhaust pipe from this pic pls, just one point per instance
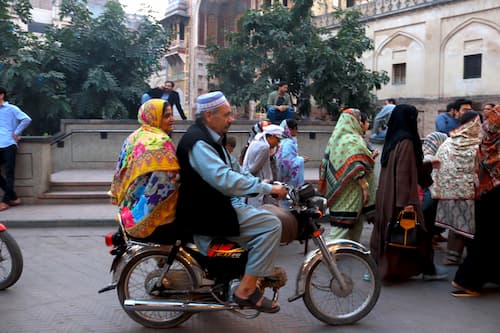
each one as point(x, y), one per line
point(158, 305)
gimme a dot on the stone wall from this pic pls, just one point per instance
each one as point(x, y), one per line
point(95, 144)
point(33, 167)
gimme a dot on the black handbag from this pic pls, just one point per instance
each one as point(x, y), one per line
point(403, 231)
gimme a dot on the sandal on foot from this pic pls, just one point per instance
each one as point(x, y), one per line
point(3, 206)
point(462, 291)
point(253, 299)
point(16, 202)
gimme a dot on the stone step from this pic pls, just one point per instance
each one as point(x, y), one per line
point(79, 187)
point(83, 176)
point(92, 185)
point(74, 197)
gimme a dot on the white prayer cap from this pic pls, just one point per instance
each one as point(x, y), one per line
point(210, 101)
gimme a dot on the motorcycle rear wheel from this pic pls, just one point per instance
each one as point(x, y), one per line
point(141, 272)
point(331, 304)
point(11, 261)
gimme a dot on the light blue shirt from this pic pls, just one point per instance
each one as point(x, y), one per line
point(12, 121)
point(145, 97)
point(446, 123)
point(382, 118)
point(207, 163)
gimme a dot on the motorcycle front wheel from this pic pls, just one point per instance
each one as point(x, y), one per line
point(139, 279)
point(334, 305)
point(11, 261)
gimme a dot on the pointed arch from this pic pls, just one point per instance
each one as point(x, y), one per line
point(454, 32)
point(390, 39)
point(464, 25)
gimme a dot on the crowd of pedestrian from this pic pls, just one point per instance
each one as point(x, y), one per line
point(450, 180)
point(438, 177)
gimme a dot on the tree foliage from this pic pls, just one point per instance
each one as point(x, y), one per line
point(34, 86)
point(275, 43)
point(271, 44)
point(91, 67)
point(12, 36)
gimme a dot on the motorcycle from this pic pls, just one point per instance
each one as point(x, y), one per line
point(11, 259)
point(161, 286)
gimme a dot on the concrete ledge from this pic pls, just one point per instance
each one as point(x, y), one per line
point(33, 216)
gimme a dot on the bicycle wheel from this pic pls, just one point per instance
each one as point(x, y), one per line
point(138, 279)
point(331, 304)
point(11, 261)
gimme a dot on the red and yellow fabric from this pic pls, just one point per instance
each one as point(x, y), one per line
point(488, 157)
point(145, 181)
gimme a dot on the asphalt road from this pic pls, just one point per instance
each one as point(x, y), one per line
point(64, 268)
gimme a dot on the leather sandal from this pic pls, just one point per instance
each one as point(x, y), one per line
point(253, 299)
point(16, 202)
point(3, 206)
point(462, 291)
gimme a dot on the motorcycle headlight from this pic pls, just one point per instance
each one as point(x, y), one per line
point(306, 191)
point(317, 202)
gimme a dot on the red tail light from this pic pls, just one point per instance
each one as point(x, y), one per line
point(108, 239)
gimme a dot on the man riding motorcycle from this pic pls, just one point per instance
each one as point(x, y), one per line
point(209, 207)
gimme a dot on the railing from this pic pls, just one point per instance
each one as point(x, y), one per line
point(59, 140)
point(378, 8)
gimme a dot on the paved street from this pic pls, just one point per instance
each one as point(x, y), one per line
point(64, 268)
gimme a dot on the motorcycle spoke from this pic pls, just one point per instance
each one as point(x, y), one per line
point(11, 261)
point(5, 261)
point(329, 302)
point(141, 282)
point(334, 300)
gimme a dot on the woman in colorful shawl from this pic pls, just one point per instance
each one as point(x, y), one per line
point(402, 171)
point(454, 184)
point(346, 176)
point(430, 146)
point(479, 266)
point(145, 184)
point(290, 166)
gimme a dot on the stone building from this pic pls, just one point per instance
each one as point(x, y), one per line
point(433, 50)
point(196, 23)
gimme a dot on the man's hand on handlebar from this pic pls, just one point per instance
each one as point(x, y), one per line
point(279, 191)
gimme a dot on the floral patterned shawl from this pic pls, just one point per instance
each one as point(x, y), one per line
point(290, 165)
point(488, 157)
point(455, 178)
point(145, 181)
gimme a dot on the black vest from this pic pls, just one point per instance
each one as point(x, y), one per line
point(201, 209)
